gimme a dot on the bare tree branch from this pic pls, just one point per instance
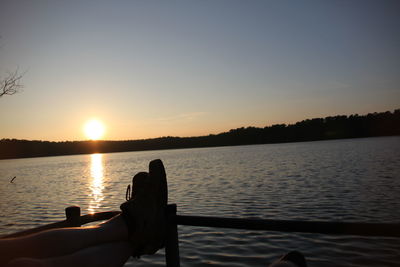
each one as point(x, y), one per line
point(11, 84)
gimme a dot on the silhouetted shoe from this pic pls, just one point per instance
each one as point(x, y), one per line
point(294, 257)
point(158, 180)
point(145, 210)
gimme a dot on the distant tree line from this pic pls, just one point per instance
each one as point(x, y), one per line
point(337, 127)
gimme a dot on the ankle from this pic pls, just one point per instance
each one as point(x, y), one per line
point(119, 227)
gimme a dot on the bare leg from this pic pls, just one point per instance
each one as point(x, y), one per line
point(104, 255)
point(63, 241)
point(144, 212)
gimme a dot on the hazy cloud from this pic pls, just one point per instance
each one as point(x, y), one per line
point(182, 117)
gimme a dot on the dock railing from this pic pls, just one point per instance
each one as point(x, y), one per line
point(74, 219)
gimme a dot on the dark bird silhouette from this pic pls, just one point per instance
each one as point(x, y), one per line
point(12, 180)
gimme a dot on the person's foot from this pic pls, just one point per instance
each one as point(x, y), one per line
point(291, 259)
point(144, 211)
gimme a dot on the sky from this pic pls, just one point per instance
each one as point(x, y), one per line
point(188, 68)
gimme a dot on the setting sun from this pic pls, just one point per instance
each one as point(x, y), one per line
point(94, 129)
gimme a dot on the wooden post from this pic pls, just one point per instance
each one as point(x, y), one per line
point(172, 241)
point(73, 213)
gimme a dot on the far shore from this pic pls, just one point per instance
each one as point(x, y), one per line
point(160, 149)
point(329, 128)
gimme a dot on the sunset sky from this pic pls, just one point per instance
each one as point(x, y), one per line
point(185, 68)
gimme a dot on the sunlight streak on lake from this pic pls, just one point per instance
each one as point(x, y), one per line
point(96, 185)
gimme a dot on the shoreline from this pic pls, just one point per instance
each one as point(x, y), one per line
point(317, 129)
point(181, 148)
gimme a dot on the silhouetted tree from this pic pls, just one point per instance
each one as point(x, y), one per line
point(336, 127)
point(10, 84)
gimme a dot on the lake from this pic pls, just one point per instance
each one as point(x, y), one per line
point(351, 180)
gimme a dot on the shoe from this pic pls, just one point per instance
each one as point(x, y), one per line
point(131, 209)
point(145, 210)
point(295, 257)
point(158, 183)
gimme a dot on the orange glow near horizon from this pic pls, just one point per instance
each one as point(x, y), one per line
point(94, 129)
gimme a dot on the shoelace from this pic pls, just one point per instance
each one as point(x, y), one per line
point(128, 192)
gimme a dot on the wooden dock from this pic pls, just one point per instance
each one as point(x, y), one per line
point(74, 219)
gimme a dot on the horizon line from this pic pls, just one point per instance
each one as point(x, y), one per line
point(195, 136)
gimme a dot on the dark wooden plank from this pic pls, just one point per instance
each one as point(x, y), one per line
point(335, 228)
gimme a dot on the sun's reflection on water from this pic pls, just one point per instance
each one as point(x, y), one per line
point(96, 184)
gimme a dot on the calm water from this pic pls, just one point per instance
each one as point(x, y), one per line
point(340, 180)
